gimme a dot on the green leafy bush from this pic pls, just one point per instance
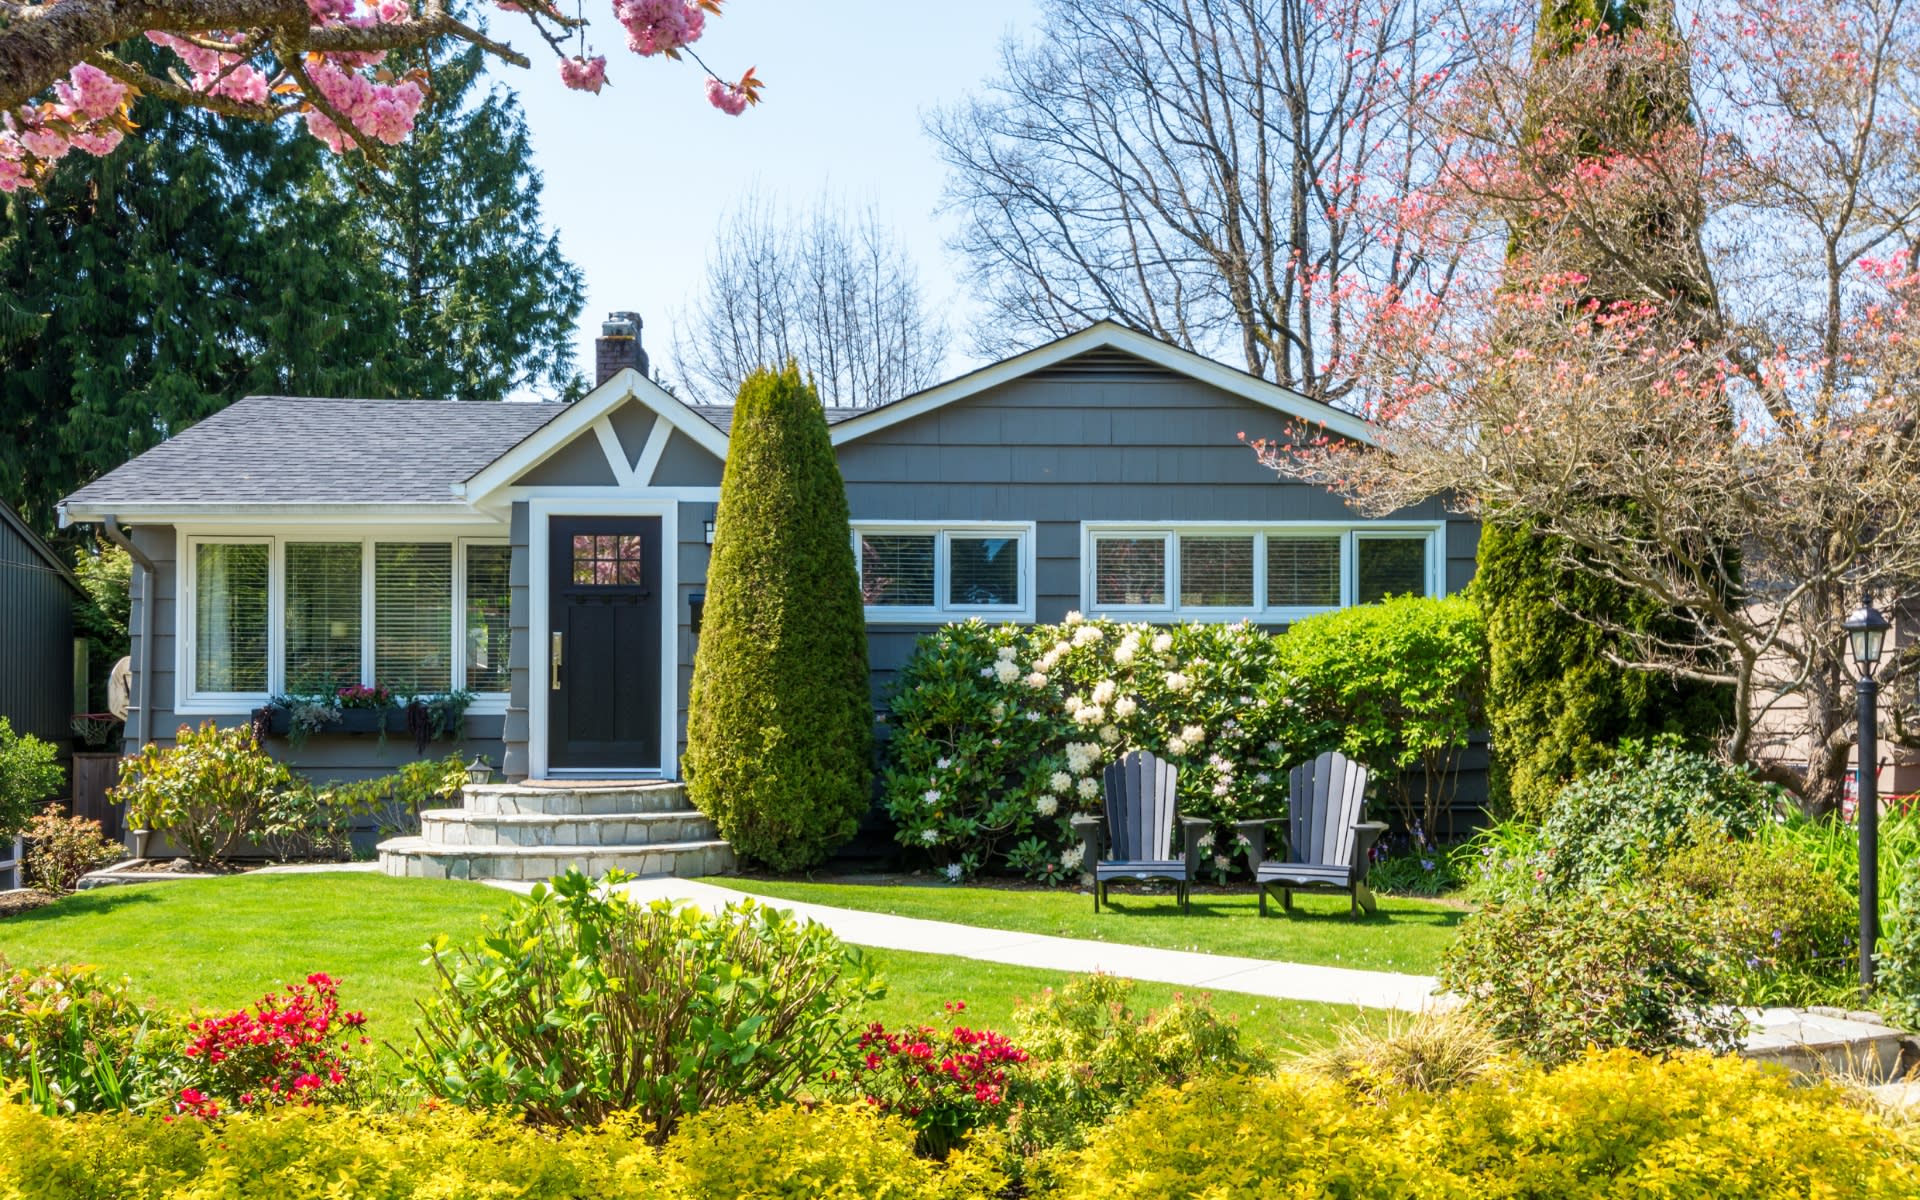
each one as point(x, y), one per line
point(317, 821)
point(60, 849)
point(580, 1003)
point(1403, 682)
point(1554, 976)
point(780, 718)
point(1898, 958)
point(1651, 801)
point(1602, 1127)
point(1000, 733)
point(29, 774)
point(206, 792)
point(1092, 1055)
point(72, 1042)
point(1555, 704)
point(1779, 925)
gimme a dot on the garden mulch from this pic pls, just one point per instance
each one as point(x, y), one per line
point(20, 900)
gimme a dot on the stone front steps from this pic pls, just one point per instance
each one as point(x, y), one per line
point(524, 833)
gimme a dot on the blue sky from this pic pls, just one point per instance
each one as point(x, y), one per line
point(638, 177)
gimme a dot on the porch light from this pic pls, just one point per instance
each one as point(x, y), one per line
point(478, 772)
point(709, 533)
point(1867, 635)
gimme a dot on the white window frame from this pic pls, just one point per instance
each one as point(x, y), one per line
point(1348, 532)
point(941, 611)
point(191, 701)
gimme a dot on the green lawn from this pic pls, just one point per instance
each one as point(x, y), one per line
point(1405, 935)
point(220, 943)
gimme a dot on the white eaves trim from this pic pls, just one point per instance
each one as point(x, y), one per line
point(1108, 335)
point(253, 513)
point(581, 417)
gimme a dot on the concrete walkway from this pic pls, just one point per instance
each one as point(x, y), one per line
point(1182, 968)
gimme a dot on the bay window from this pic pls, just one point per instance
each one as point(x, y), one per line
point(935, 572)
point(309, 616)
point(1268, 573)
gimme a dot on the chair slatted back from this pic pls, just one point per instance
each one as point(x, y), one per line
point(1326, 798)
point(1139, 800)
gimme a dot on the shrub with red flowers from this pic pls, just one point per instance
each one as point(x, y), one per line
point(288, 1048)
point(945, 1081)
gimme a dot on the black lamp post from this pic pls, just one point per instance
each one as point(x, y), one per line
point(1867, 637)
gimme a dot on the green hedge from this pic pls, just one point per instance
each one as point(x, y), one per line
point(780, 718)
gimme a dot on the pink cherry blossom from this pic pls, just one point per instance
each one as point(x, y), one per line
point(584, 74)
point(726, 97)
point(660, 26)
point(90, 92)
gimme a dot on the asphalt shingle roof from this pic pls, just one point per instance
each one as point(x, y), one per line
point(292, 449)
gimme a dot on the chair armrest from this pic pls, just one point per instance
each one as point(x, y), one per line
point(1089, 829)
point(1192, 829)
point(1366, 833)
point(1256, 834)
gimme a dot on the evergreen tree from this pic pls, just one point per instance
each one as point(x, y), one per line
point(780, 725)
point(486, 303)
point(1555, 699)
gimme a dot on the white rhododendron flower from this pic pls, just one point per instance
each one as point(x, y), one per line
point(1089, 788)
point(1163, 643)
point(953, 872)
point(1221, 788)
point(1273, 747)
point(1124, 652)
point(1104, 690)
point(1037, 680)
point(1093, 714)
point(986, 672)
point(1205, 841)
point(1087, 635)
point(1060, 781)
point(1176, 746)
point(943, 764)
point(1125, 707)
point(1194, 734)
point(1034, 716)
point(999, 711)
point(932, 797)
point(1071, 856)
point(1047, 805)
point(929, 836)
point(1109, 734)
point(1221, 861)
point(1005, 654)
point(1081, 756)
point(1176, 682)
point(1005, 670)
point(1074, 617)
point(1263, 778)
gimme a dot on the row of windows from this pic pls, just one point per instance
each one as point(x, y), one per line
point(306, 617)
point(1278, 572)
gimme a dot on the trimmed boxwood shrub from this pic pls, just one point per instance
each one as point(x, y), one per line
point(780, 718)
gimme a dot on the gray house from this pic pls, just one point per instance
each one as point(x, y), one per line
point(551, 558)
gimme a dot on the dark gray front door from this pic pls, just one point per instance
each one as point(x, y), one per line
point(603, 656)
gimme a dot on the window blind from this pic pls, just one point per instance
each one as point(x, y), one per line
point(1216, 572)
point(230, 616)
point(413, 617)
point(983, 571)
point(489, 603)
point(896, 569)
point(1130, 571)
point(323, 616)
point(1303, 572)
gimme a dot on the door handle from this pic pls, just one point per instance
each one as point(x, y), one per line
point(555, 685)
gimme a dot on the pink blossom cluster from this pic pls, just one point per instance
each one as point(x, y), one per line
point(382, 111)
point(80, 117)
point(660, 26)
point(729, 98)
point(584, 74)
point(216, 72)
point(281, 1050)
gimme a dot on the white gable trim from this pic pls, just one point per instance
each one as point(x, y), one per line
point(617, 460)
point(581, 416)
point(1107, 335)
point(655, 447)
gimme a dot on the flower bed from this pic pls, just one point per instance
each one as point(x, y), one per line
point(1001, 733)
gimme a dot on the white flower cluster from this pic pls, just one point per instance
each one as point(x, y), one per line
point(1110, 734)
point(1082, 757)
point(932, 797)
point(1194, 734)
point(1048, 804)
point(1089, 788)
point(1103, 692)
point(1087, 635)
point(1125, 707)
point(1163, 643)
point(1128, 649)
point(1060, 782)
point(1178, 682)
point(1005, 670)
point(1070, 857)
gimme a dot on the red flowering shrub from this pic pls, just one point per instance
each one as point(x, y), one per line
point(944, 1081)
point(281, 1050)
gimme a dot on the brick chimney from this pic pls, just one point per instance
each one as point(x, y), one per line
point(618, 347)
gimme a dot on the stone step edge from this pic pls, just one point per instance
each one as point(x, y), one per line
point(564, 789)
point(421, 846)
point(470, 817)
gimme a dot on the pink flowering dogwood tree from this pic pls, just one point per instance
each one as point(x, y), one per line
point(323, 62)
point(1715, 348)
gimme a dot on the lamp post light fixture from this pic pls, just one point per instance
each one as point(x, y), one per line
point(1867, 638)
point(478, 772)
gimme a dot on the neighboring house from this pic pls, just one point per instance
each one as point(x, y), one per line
point(552, 558)
point(39, 673)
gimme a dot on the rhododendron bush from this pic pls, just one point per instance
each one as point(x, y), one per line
point(1001, 733)
point(64, 88)
point(291, 1047)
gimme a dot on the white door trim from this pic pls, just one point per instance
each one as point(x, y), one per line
point(539, 516)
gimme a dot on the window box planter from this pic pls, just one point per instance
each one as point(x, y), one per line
point(353, 721)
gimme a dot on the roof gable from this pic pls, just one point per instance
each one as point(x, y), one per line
point(11, 520)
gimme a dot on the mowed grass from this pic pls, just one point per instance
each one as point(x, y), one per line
point(222, 943)
point(1405, 935)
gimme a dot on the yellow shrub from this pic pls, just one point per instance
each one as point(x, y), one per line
point(835, 1152)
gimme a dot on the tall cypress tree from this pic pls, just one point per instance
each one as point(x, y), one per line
point(1555, 700)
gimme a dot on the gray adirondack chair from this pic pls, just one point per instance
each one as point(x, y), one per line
point(1139, 829)
point(1328, 844)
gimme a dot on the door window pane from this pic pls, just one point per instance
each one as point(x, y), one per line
point(1130, 571)
point(1216, 572)
point(607, 559)
point(1390, 566)
point(1303, 572)
point(230, 616)
point(413, 617)
point(323, 616)
point(896, 569)
point(489, 603)
point(983, 572)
